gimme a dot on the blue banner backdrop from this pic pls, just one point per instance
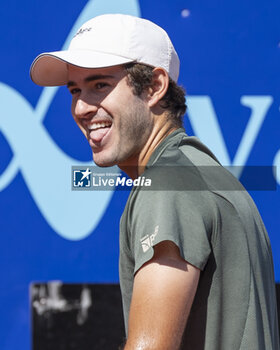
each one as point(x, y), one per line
point(230, 67)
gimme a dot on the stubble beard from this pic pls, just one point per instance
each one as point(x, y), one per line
point(135, 128)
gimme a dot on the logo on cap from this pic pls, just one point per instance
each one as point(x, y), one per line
point(82, 30)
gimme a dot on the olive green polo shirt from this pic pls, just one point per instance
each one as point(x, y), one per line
point(197, 204)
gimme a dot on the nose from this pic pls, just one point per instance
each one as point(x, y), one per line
point(84, 110)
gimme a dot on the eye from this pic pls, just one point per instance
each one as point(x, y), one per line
point(101, 85)
point(74, 91)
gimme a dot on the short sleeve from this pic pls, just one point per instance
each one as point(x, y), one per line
point(183, 217)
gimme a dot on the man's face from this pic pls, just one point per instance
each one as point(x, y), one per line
point(116, 123)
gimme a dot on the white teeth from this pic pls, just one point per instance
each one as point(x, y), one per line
point(95, 126)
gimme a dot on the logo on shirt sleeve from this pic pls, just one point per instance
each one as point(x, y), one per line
point(148, 240)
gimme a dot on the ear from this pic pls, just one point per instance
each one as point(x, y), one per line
point(158, 87)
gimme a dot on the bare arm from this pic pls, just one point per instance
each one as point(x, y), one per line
point(163, 292)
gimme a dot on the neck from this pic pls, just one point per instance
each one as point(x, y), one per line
point(135, 166)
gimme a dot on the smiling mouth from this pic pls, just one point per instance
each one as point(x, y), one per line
point(97, 131)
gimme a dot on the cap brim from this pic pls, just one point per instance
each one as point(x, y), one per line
point(50, 68)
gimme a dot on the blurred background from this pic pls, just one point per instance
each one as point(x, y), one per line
point(59, 248)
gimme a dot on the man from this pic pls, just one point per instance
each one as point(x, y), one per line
point(196, 269)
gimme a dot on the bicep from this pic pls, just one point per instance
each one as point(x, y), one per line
point(163, 292)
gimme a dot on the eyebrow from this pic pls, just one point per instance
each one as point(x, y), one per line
point(91, 78)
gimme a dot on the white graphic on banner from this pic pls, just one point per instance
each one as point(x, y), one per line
point(205, 125)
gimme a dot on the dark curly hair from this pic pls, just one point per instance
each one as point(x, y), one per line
point(140, 78)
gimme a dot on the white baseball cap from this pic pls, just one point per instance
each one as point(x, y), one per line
point(105, 41)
